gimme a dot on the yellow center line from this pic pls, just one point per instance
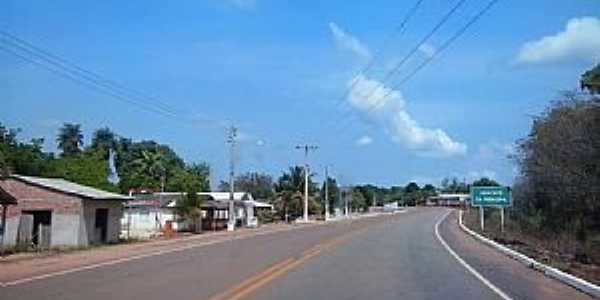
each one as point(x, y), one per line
point(252, 284)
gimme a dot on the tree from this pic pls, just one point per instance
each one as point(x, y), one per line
point(151, 165)
point(142, 164)
point(560, 167)
point(358, 202)
point(103, 140)
point(70, 140)
point(89, 168)
point(427, 191)
point(412, 187)
point(412, 194)
point(20, 157)
point(332, 191)
point(290, 193)
point(257, 184)
point(484, 181)
point(196, 174)
point(453, 185)
point(189, 207)
point(590, 80)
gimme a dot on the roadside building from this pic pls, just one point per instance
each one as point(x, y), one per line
point(6, 199)
point(148, 214)
point(449, 199)
point(53, 212)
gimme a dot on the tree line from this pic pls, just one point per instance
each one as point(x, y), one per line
point(139, 164)
point(286, 192)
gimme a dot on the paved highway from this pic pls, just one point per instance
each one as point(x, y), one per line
point(392, 257)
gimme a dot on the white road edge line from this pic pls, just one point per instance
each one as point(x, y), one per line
point(136, 257)
point(566, 278)
point(477, 275)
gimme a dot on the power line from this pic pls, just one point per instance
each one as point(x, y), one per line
point(443, 47)
point(398, 30)
point(102, 80)
point(70, 77)
point(414, 50)
point(62, 67)
point(447, 43)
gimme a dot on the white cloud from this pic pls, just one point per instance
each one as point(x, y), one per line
point(349, 42)
point(388, 106)
point(579, 41)
point(427, 49)
point(243, 4)
point(364, 140)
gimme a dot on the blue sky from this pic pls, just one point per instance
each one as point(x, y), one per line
point(280, 69)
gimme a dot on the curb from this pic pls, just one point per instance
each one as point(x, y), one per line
point(576, 282)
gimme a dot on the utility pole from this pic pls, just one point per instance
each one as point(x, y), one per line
point(346, 203)
point(158, 216)
point(231, 140)
point(306, 149)
point(326, 193)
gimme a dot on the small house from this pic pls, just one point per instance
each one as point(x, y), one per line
point(53, 212)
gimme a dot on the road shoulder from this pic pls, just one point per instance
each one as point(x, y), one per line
point(509, 275)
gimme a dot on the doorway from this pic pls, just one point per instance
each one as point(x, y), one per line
point(42, 220)
point(101, 225)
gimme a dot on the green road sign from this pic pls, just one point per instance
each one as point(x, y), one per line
point(490, 196)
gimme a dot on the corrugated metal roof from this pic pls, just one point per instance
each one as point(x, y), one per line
point(224, 196)
point(6, 198)
point(218, 196)
point(68, 187)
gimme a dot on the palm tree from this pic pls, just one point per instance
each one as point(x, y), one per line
point(290, 193)
point(104, 139)
point(150, 165)
point(70, 139)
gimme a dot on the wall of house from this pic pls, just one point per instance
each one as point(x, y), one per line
point(87, 233)
point(65, 211)
point(142, 221)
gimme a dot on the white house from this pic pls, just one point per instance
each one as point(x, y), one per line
point(148, 214)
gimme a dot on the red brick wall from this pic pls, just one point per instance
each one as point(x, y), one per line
point(32, 197)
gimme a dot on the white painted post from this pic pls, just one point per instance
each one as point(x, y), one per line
point(481, 217)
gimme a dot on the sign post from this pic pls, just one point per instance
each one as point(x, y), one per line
point(491, 196)
point(502, 219)
point(481, 218)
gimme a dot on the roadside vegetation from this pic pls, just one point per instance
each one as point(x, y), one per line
point(143, 164)
point(556, 213)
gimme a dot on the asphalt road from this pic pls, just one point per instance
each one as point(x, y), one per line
point(392, 257)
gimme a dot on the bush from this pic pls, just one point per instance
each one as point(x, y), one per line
point(265, 216)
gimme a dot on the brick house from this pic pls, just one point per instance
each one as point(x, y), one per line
point(70, 214)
